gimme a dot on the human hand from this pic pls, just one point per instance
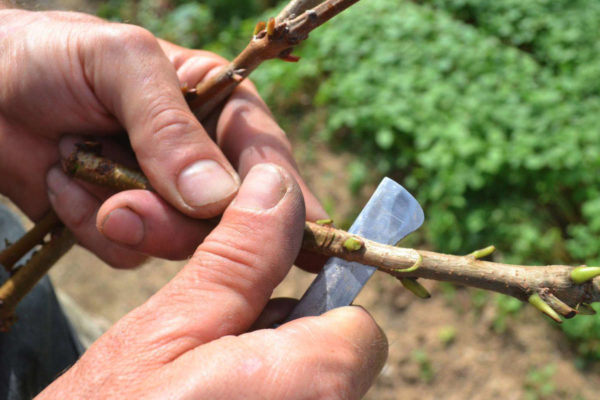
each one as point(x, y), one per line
point(67, 74)
point(190, 340)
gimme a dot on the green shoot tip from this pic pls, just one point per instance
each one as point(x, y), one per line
point(353, 244)
point(482, 253)
point(536, 301)
point(415, 287)
point(584, 274)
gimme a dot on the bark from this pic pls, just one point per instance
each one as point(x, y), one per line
point(563, 288)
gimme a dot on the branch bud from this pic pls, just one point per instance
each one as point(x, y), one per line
point(536, 301)
point(353, 244)
point(414, 267)
point(271, 27)
point(260, 25)
point(415, 287)
point(584, 274)
point(482, 253)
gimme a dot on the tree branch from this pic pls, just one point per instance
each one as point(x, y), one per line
point(13, 253)
point(561, 289)
point(25, 278)
point(295, 8)
point(275, 39)
point(518, 281)
point(86, 164)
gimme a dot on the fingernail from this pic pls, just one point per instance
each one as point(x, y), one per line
point(56, 181)
point(123, 226)
point(262, 189)
point(205, 182)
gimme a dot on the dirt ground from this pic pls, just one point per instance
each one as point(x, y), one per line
point(443, 348)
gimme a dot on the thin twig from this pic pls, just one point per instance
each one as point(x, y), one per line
point(295, 8)
point(25, 278)
point(514, 280)
point(14, 252)
point(556, 285)
point(276, 40)
point(88, 166)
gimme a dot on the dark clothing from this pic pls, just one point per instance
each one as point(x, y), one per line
point(41, 344)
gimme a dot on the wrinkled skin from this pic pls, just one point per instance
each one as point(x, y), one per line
point(70, 74)
point(189, 340)
point(205, 334)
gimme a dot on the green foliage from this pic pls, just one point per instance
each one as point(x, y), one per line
point(584, 332)
point(447, 335)
point(506, 307)
point(486, 111)
point(426, 372)
point(539, 383)
point(188, 23)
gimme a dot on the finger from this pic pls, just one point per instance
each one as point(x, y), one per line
point(142, 221)
point(274, 313)
point(230, 278)
point(138, 219)
point(24, 160)
point(246, 131)
point(181, 161)
point(335, 356)
point(195, 66)
point(77, 209)
point(248, 134)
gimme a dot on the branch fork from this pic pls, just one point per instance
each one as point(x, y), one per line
point(273, 39)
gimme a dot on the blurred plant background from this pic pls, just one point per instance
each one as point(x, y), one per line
point(487, 111)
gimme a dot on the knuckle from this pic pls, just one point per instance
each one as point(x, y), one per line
point(167, 120)
point(169, 126)
point(338, 378)
point(231, 268)
point(234, 265)
point(240, 244)
point(129, 39)
point(71, 16)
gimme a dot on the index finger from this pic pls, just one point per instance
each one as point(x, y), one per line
point(246, 131)
point(142, 90)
